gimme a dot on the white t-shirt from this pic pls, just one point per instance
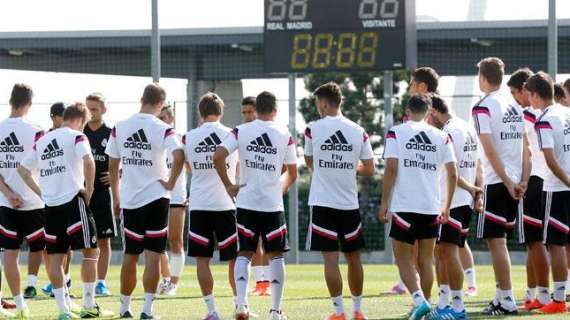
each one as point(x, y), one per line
point(17, 139)
point(553, 130)
point(421, 151)
point(178, 194)
point(504, 122)
point(466, 150)
point(336, 145)
point(59, 158)
point(539, 167)
point(263, 148)
point(207, 192)
point(141, 142)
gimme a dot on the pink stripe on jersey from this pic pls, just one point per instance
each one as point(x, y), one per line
point(198, 239)
point(132, 235)
point(74, 228)
point(235, 132)
point(308, 133)
point(244, 231)
point(79, 139)
point(184, 139)
point(38, 136)
point(558, 225)
point(495, 218)
point(400, 222)
point(35, 235)
point(324, 232)
point(454, 224)
point(291, 141)
point(228, 242)
point(391, 135)
point(365, 137)
point(481, 110)
point(8, 233)
point(168, 132)
point(114, 132)
point(277, 233)
point(542, 125)
point(532, 221)
point(50, 238)
point(354, 234)
point(156, 233)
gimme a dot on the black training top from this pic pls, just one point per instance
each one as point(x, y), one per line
point(98, 141)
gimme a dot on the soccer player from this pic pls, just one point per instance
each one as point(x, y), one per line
point(554, 138)
point(56, 115)
point(248, 109)
point(537, 294)
point(67, 172)
point(21, 210)
point(334, 148)
point(566, 86)
point(263, 148)
point(414, 153)
point(174, 263)
point(139, 146)
point(212, 211)
point(98, 134)
point(468, 195)
point(560, 95)
point(506, 163)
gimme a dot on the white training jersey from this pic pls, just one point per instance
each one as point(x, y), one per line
point(178, 194)
point(421, 151)
point(539, 167)
point(466, 150)
point(263, 148)
point(59, 158)
point(207, 192)
point(336, 145)
point(494, 115)
point(142, 142)
point(553, 130)
point(17, 139)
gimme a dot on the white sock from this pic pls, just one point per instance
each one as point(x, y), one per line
point(60, 300)
point(266, 273)
point(470, 276)
point(67, 278)
point(418, 297)
point(258, 273)
point(530, 294)
point(568, 282)
point(277, 281)
point(241, 275)
point(357, 303)
point(559, 293)
point(147, 305)
point(457, 300)
point(338, 305)
point(32, 280)
point(20, 303)
point(89, 295)
point(210, 304)
point(67, 297)
point(497, 298)
point(401, 284)
point(543, 295)
point(125, 304)
point(176, 264)
point(102, 281)
point(508, 300)
point(444, 292)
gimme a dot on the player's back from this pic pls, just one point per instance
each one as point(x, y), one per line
point(539, 167)
point(553, 128)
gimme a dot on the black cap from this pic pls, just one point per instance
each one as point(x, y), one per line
point(57, 109)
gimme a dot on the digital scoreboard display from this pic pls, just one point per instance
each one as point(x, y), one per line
point(339, 35)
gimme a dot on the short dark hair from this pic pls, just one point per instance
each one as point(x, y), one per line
point(419, 103)
point(153, 94)
point(493, 69)
point(541, 83)
point(519, 77)
point(567, 85)
point(439, 104)
point(248, 101)
point(21, 95)
point(330, 92)
point(77, 110)
point(265, 103)
point(558, 92)
point(428, 76)
point(57, 109)
point(97, 97)
point(210, 105)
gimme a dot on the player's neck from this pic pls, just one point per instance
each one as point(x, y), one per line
point(17, 113)
point(148, 109)
point(330, 112)
point(95, 125)
point(265, 117)
point(417, 117)
point(211, 119)
point(490, 89)
point(543, 104)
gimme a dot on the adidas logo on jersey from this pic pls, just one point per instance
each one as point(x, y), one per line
point(421, 142)
point(262, 144)
point(512, 115)
point(470, 144)
point(52, 151)
point(11, 144)
point(209, 144)
point(337, 142)
point(567, 126)
point(137, 140)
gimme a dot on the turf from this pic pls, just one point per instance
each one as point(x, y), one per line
point(306, 296)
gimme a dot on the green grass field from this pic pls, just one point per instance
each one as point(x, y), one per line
point(306, 296)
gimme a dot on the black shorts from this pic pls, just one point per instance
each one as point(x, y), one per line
point(146, 228)
point(70, 225)
point(456, 230)
point(408, 227)
point(102, 210)
point(498, 220)
point(533, 215)
point(15, 226)
point(328, 227)
point(270, 226)
point(557, 213)
point(207, 227)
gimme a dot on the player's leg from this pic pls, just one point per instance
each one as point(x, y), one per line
point(176, 244)
point(101, 207)
point(333, 280)
point(56, 278)
point(104, 245)
point(351, 243)
point(67, 264)
point(442, 278)
point(259, 266)
point(468, 264)
point(34, 263)
point(248, 237)
point(133, 237)
point(4, 313)
point(165, 273)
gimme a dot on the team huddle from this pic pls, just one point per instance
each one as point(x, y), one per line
point(508, 167)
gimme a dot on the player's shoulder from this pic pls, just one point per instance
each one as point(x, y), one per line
point(493, 101)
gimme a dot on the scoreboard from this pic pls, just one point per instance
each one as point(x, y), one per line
point(339, 35)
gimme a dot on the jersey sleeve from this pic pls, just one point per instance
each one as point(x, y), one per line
point(171, 140)
point(81, 146)
point(291, 153)
point(308, 142)
point(544, 133)
point(366, 150)
point(391, 148)
point(482, 119)
point(112, 148)
point(231, 141)
point(30, 161)
point(448, 154)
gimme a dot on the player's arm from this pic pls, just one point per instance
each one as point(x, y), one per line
point(219, 159)
point(496, 163)
point(526, 166)
point(366, 168)
point(290, 176)
point(554, 166)
point(26, 175)
point(177, 165)
point(15, 200)
point(309, 162)
point(308, 149)
point(479, 182)
point(89, 172)
point(390, 173)
point(114, 167)
point(451, 169)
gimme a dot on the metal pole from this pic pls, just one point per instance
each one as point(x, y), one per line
point(293, 255)
point(552, 40)
point(155, 44)
point(388, 123)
